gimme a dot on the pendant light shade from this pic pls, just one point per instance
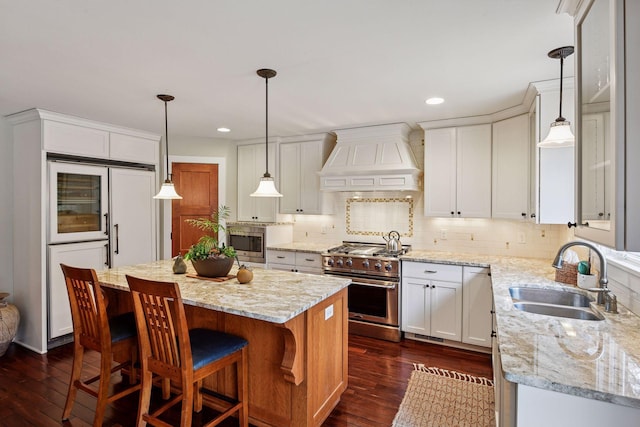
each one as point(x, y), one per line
point(267, 186)
point(167, 191)
point(560, 134)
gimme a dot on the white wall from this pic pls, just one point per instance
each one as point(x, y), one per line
point(6, 207)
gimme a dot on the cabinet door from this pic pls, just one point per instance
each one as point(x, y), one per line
point(415, 306)
point(290, 168)
point(133, 148)
point(510, 167)
point(477, 301)
point(310, 165)
point(251, 167)
point(133, 225)
point(440, 172)
point(84, 255)
point(473, 183)
point(75, 140)
point(446, 310)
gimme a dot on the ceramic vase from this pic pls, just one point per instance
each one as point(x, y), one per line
point(9, 321)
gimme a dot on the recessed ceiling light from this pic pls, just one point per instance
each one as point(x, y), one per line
point(434, 101)
point(224, 130)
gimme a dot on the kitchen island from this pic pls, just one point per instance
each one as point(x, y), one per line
point(555, 371)
point(296, 325)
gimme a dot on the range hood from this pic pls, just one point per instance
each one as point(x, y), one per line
point(374, 158)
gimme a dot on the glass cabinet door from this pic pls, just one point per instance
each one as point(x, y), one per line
point(78, 202)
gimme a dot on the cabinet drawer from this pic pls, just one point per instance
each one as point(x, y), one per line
point(432, 271)
point(281, 257)
point(306, 259)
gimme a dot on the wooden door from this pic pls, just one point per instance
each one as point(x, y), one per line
point(197, 183)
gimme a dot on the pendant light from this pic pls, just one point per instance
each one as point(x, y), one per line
point(167, 191)
point(266, 187)
point(560, 134)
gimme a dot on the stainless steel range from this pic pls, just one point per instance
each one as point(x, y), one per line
point(374, 293)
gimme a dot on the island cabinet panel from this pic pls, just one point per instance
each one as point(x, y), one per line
point(293, 379)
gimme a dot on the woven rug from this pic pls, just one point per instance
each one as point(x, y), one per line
point(440, 398)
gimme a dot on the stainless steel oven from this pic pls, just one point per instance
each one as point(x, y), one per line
point(248, 241)
point(374, 293)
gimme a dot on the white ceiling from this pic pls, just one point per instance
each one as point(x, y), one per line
point(340, 63)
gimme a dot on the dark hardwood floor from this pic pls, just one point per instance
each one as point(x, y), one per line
point(33, 387)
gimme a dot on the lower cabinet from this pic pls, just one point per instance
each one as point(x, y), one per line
point(296, 261)
point(477, 301)
point(447, 301)
point(432, 300)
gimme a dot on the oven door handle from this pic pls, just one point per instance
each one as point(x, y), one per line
point(375, 285)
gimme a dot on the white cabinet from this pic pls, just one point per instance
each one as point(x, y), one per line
point(296, 261)
point(432, 300)
point(300, 164)
point(251, 167)
point(78, 137)
point(554, 166)
point(477, 302)
point(132, 225)
point(608, 82)
point(36, 134)
point(510, 168)
point(458, 172)
point(86, 255)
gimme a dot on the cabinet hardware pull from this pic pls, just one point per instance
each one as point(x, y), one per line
point(493, 334)
point(106, 224)
point(430, 271)
point(106, 260)
point(533, 215)
point(571, 224)
point(280, 257)
point(309, 259)
point(117, 227)
point(433, 286)
point(523, 214)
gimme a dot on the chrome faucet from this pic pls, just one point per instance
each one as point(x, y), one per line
point(603, 291)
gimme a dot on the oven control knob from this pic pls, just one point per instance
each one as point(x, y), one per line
point(388, 266)
point(365, 263)
point(378, 266)
point(339, 262)
point(349, 262)
point(330, 262)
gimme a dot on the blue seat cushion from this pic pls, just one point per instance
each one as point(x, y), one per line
point(122, 326)
point(208, 346)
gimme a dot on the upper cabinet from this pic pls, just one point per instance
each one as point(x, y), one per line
point(554, 167)
point(251, 167)
point(607, 63)
point(510, 167)
point(457, 172)
point(300, 164)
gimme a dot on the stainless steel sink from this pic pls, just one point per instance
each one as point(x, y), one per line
point(581, 313)
point(550, 296)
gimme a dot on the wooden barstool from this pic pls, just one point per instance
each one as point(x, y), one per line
point(169, 349)
point(93, 330)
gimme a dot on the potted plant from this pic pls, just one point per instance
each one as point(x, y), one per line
point(209, 257)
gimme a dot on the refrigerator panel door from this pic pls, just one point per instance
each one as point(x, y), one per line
point(133, 225)
point(84, 255)
point(78, 202)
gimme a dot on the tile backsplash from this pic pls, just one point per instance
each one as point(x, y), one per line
point(481, 236)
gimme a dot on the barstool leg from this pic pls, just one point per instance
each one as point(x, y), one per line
point(76, 371)
point(103, 390)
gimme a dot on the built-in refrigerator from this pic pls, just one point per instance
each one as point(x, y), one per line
point(100, 216)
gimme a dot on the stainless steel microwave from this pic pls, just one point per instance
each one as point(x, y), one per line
point(249, 242)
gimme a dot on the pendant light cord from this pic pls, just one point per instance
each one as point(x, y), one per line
point(266, 125)
point(166, 139)
point(560, 118)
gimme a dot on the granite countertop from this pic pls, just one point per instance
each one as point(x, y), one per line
point(593, 359)
point(316, 248)
point(255, 224)
point(273, 295)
